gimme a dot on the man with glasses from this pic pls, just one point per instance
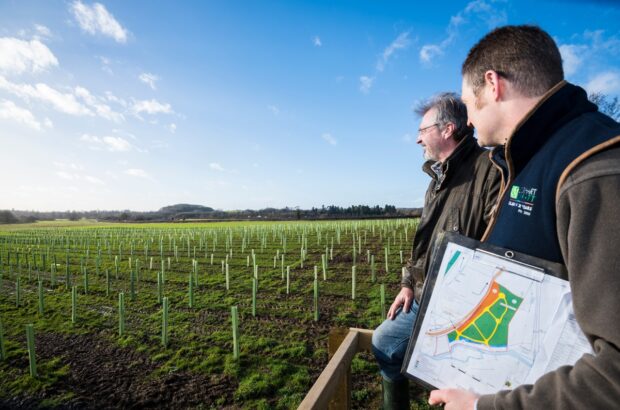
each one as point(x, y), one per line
point(463, 189)
point(551, 140)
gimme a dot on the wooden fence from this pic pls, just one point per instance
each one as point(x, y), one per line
point(332, 390)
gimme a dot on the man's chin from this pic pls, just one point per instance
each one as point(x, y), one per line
point(483, 141)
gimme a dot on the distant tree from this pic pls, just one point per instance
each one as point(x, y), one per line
point(606, 104)
point(7, 217)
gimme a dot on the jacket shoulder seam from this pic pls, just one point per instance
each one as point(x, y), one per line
point(580, 159)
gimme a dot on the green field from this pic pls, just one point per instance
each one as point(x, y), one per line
point(83, 362)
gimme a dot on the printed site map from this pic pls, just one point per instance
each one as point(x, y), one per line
point(493, 324)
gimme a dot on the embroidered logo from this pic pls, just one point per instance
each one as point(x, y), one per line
point(522, 198)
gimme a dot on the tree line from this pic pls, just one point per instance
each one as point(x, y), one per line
point(187, 212)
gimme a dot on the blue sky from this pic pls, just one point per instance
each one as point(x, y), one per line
point(141, 104)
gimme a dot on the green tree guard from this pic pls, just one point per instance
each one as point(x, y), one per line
point(235, 331)
point(254, 286)
point(382, 301)
point(73, 304)
point(31, 356)
point(41, 302)
point(164, 322)
point(316, 299)
point(121, 314)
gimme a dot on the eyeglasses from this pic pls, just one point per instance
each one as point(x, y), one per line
point(423, 130)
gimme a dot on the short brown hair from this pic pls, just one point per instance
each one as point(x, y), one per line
point(525, 55)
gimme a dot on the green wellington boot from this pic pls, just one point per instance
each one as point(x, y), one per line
point(396, 395)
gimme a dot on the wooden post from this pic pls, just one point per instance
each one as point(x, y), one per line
point(333, 387)
point(342, 396)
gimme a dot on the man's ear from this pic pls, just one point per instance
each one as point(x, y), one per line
point(493, 85)
point(448, 130)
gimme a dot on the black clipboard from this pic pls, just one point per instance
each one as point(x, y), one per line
point(438, 251)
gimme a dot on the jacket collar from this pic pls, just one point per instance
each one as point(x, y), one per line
point(462, 150)
point(558, 106)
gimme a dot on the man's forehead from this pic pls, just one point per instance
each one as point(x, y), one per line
point(430, 115)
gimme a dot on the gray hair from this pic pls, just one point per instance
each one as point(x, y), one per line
point(450, 109)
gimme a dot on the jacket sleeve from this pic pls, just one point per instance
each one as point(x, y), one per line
point(588, 225)
point(492, 191)
point(407, 279)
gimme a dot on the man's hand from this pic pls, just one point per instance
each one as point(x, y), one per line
point(404, 299)
point(454, 399)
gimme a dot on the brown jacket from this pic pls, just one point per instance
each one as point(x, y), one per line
point(588, 226)
point(460, 201)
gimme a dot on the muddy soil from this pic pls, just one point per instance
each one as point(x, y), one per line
point(105, 376)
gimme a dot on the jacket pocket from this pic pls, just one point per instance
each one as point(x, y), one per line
point(454, 223)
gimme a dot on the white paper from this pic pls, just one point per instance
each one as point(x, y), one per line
point(493, 324)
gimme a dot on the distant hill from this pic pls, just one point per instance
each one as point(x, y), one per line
point(184, 208)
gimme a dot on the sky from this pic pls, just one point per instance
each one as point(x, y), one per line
point(141, 104)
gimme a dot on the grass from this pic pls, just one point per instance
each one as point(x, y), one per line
point(282, 348)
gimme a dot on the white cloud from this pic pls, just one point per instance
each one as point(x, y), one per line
point(401, 42)
point(93, 180)
point(112, 144)
point(158, 144)
point(429, 51)
point(19, 56)
point(63, 165)
point(136, 172)
point(151, 107)
point(66, 175)
point(593, 47)
point(149, 79)
point(366, 83)
point(75, 176)
point(172, 127)
point(10, 111)
point(97, 19)
point(571, 57)
point(90, 138)
point(216, 167)
point(599, 42)
point(317, 41)
point(105, 64)
point(477, 11)
point(63, 102)
point(102, 110)
point(67, 103)
point(328, 137)
point(111, 97)
point(42, 31)
point(483, 11)
point(275, 110)
point(604, 83)
point(116, 143)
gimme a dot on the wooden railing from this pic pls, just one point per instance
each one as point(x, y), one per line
point(332, 390)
